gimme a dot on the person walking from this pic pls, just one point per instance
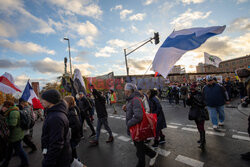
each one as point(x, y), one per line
point(84, 107)
point(215, 97)
point(55, 132)
point(74, 125)
point(24, 105)
point(113, 100)
point(134, 115)
point(155, 107)
point(102, 116)
point(184, 93)
point(145, 100)
point(197, 107)
point(12, 114)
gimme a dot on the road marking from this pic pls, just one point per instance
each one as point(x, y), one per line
point(162, 152)
point(190, 129)
point(175, 123)
point(189, 161)
point(194, 126)
point(114, 134)
point(103, 131)
point(215, 133)
point(123, 119)
point(241, 137)
point(123, 138)
point(111, 116)
point(223, 130)
point(244, 133)
point(172, 126)
point(118, 117)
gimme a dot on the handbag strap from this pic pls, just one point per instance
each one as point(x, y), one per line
point(143, 109)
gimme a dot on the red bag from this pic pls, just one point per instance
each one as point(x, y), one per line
point(146, 128)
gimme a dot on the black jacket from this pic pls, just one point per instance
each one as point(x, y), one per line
point(100, 106)
point(84, 106)
point(155, 107)
point(55, 137)
point(197, 105)
point(74, 124)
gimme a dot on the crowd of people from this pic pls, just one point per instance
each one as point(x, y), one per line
point(64, 118)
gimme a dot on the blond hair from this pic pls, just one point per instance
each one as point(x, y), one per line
point(70, 100)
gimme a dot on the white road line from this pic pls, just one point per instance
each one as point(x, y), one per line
point(241, 137)
point(189, 161)
point(111, 116)
point(244, 133)
point(223, 130)
point(162, 152)
point(123, 119)
point(114, 134)
point(175, 123)
point(190, 129)
point(103, 131)
point(172, 126)
point(215, 133)
point(194, 126)
point(118, 117)
point(123, 138)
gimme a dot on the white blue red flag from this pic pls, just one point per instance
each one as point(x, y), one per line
point(178, 43)
point(30, 96)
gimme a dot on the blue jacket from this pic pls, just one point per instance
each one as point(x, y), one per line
point(214, 95)
point(55, 137)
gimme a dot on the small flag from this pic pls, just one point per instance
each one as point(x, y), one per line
point(212, 60)
point(30, 96)
point(156, 74)
point(7, 84)
point(178, 43)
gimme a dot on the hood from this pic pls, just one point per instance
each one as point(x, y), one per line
point(14, 108)
point(59, 107)
point(134, 94)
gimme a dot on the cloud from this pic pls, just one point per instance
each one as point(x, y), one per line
point(12, 64)
point(86, 69)
point(124, 13)
point(122, 30)
point(80, 7)
point(141, 65)
point(7, 30)
point(241, 1)
point(117, 7)
point(16, 9)
point(133, 29)
point(86, 28)
point(119, 43)
point(87, 42)
point(148, 2)
point(186, 19)
point(192, 1)
point(24, 47)
point(138, 17)
point(240, 24)
point(105, 52)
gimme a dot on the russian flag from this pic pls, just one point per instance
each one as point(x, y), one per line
point(30, 96)
point(178, 43)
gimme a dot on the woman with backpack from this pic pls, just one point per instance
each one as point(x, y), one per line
point(74, 124)
point(12, 114)
point(197, 112)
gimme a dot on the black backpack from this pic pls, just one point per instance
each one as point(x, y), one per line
point(4, 129)
point(26, 120)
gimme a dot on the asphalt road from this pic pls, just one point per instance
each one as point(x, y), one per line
point(223, 149)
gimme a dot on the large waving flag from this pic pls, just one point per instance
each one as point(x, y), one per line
point(78, 82)
point(7, 84)
point(178, 43)
point(30, 96)
point(212, 60)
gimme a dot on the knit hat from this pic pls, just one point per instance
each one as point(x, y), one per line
point(130, 86)
point(52, 96)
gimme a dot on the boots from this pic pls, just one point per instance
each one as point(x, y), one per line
point(199, 141)
point(111, 139)
point(203, 141)
point(156, 143)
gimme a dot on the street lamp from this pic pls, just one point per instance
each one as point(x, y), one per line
point(67, 39)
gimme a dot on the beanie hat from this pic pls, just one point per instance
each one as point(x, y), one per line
point(52, 96)
point(130, 86)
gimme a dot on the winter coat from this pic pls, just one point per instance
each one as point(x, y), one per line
point(84, 106)
point(155, 107)
point(197, 105)
point(13, 121)
point(214, 95)
point(74, 124)
point(56, 136)
point(100, 106)
point(134, 112)
point(184, 92)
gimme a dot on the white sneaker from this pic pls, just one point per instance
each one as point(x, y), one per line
point(221, 124)
point(152, 160)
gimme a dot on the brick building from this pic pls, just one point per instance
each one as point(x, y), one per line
point(225, 66)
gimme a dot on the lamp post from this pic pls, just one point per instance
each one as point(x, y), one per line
point(67, 39)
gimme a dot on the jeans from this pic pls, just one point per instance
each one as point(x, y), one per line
point(28, 142)
point(213, 114)
point(85, 116)
point(100, 122)
point(141, 151)
point(17, 146)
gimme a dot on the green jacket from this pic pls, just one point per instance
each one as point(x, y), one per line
point(13, 121)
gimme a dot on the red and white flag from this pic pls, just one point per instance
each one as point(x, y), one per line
point(7, 84)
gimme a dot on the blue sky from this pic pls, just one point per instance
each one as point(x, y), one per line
point(32, 45)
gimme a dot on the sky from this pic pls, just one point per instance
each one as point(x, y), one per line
point(32, 32)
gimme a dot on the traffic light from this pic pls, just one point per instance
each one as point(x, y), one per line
point(156, 37)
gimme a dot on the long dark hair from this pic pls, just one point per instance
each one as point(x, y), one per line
point(152, 93)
